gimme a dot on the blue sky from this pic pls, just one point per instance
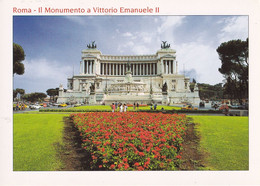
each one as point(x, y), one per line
point(53, 44)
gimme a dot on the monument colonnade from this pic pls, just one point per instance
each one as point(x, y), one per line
point(137, 68)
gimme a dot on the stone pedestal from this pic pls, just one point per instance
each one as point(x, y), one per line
point(92, 99)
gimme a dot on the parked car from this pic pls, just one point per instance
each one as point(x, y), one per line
point(62, 105)
point(189, 107)
point(35, 106)
point(77, 105)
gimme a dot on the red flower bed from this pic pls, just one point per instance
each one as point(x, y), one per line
point(132, 141)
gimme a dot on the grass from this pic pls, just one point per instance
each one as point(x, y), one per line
point(34, 140)
point(226, 141)
point(107, 107)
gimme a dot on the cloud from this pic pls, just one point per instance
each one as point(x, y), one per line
point(202, 58)
point(127, 34)
point(170, 22)
point(76, 19)
point(43, 74)
point(234, 28)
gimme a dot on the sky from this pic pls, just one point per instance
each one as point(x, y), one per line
point(53, 44)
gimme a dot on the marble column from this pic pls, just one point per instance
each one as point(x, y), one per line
point(113, 67)
point(167, 67)
point(83, 67)
point(94, 67)
point(150, 65)
point(87, 66)
point(123, 69)
point(120, 69)
point(170, 72)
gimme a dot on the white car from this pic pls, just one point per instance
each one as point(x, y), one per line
point(35, 106)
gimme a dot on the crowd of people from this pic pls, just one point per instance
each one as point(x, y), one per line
point(123, 107)
point(20, 106)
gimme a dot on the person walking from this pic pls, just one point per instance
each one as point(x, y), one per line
point(113, 107)
point(137, 106)
point(125, 107)
point(154, 106)
point(116, 105)
point(134, 106)
point(121, 107)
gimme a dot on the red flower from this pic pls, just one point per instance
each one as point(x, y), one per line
point(126, 166)
point(136, 164)
point(112, 166)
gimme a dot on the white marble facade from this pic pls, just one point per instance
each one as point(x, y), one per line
point(103, 79)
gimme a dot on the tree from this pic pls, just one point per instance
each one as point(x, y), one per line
point(37, 96)
point(234, 58)
point(53, 92)
point(18, 90)
point(18, 57)
point(14, 94)
point(213, 92)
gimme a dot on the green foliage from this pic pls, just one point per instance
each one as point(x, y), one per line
point(234, 58)
point(15, 94)
point(36, 96)
point(18, 57)
point(207, 91)
point(34, 139)
point(226, 141)
point(52, 92)
point(18, 90)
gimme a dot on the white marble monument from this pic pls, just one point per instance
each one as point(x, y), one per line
point(128, 79)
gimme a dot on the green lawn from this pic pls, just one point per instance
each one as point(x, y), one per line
point(226, 140)
point(35, 135)
point(34, 139)
point(107, 107)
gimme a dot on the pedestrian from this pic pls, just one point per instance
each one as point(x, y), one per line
point(154, 106)
point(116, 104)
point(134, 106)
point(125, 107)
point(151, 107)
point(113, 107)
point(137, 106)
point(121, 107)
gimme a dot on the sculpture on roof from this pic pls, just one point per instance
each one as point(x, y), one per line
point(165, 45)
point(92, 46)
